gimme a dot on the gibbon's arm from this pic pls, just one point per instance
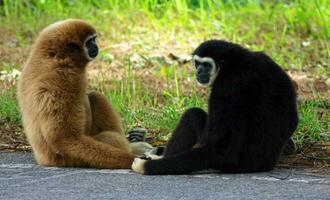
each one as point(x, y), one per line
point(229, 119)
point(227, 136)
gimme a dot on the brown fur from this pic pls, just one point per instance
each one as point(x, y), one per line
point(64, 125)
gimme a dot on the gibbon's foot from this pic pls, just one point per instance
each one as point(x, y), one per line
point(138, 165)
point(136, 135)
point(145, 157)
point(141, 148)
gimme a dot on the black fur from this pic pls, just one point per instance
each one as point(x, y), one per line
point(252, 115)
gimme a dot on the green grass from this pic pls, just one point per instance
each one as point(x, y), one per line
point(151, 91)
point(9, 110)
point(140, 106)
point(279, 28)
point(314, 122)
point(161, 119)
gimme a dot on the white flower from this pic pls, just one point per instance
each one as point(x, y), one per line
point(9, 75)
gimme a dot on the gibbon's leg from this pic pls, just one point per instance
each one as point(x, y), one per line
point(117, 140)
point(192, 160)
point(106, 124)
point(104, 117)
point(114, 139)
point(136, 137)
point(187, 133)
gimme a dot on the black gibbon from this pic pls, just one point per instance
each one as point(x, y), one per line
point(251, 115)
point(66, 125)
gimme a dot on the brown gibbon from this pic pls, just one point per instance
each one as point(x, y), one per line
point(65, 124)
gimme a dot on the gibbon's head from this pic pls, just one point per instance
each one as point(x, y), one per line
point(209, 58)
point(71, 38)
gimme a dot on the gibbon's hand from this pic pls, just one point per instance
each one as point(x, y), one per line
point(145, 157)
point(150, 156)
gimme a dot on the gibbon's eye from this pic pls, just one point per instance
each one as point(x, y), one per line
point(196, 63)
point(91, 41)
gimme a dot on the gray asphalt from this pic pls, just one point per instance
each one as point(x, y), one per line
point(21, 178)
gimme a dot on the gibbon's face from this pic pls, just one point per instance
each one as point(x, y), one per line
point(90, 47)
point(206, 70)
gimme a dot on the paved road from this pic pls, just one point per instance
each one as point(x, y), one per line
point(21, 178)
